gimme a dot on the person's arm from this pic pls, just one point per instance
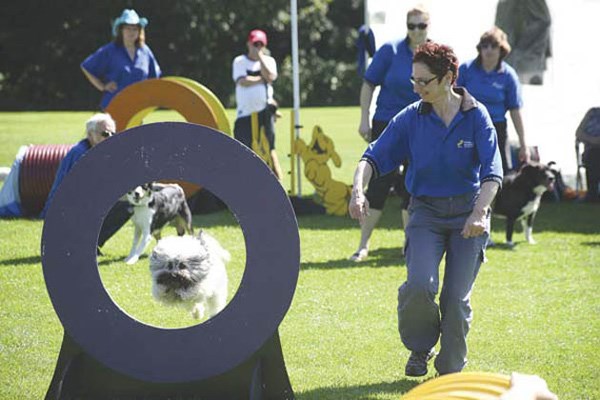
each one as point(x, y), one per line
point(515, 115)
point(359, 205)
point(476, 223)
point(582, 135)
point(528, 387)
point(250, 80)
point(268, 72)
point(366, 96)
point(98, 84)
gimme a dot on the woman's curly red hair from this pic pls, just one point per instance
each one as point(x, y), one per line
point(439, 58)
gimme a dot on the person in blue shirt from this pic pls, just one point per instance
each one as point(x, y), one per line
point(455, 172)
point(98, 128)
point(124, 61)
point(390, 69)
point(588, 132)
point(495, 84)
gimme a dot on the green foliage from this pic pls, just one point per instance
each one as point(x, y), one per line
point(535, 307)
point(198, 39)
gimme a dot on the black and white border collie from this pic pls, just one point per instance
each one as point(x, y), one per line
point(520, 198)
point(155, 205)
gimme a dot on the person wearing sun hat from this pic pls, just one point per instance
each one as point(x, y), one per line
point(253, 74)
point(125, 60)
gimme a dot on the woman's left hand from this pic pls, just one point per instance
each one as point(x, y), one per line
point(524, 155)
point(475, 224)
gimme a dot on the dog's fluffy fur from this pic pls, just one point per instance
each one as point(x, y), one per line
point(155, 205)
point(520, 198)
point(190, 271)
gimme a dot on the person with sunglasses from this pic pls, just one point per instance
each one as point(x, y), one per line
point(391, 70)
point(253, 74)
point(495, 83)
point(455, 172)
point(98, 128)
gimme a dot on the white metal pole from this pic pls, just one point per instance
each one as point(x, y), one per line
point(296, 82)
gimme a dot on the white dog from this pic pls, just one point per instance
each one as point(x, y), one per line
point(190, 271)
point(155, 205)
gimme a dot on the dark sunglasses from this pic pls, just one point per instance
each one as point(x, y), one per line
point(489, 44)
point(258, 44)
point(411, 27)
point(422, 83)
point(106, 134)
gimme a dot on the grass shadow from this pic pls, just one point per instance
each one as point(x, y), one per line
point(591, 244)
point(379, 258)
point(22, 261)
point(107, 260)
point(564, 217)
point(503, 246)
point(391, 219)
point(363, 392)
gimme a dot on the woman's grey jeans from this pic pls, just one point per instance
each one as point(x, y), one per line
point(434, 229)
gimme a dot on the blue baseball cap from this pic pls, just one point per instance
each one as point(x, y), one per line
point(129, 17)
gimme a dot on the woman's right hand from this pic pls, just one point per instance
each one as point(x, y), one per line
point(110, 87)
point(365, 130)
point(358, 207)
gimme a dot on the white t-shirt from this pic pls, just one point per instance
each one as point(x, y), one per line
point(253, 98)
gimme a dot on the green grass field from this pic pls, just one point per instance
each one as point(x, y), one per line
point(537, 307)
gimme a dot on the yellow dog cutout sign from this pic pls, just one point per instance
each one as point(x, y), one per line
point(260, 143)
point(334, 194)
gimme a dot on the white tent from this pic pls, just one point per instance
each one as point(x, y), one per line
point(552, 111)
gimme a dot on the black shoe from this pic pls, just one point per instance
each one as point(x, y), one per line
point(417, 362)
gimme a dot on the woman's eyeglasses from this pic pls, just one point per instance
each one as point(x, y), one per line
point(422, 82)
point(489, 45)
point(106, 134)
point(411, 27)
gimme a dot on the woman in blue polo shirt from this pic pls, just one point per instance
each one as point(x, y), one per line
point(124, 61)
point(455, 171)
point(390, 69)
point(495, 84)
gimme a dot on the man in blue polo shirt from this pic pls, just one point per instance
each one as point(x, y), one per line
point(98, 128)
point(455, 172)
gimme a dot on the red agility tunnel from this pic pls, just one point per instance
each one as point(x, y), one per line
point(37, 173)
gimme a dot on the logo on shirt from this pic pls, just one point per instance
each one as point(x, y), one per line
point(464, 144)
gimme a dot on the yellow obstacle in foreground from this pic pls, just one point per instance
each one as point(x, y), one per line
point(334, 194)
point(461, 386)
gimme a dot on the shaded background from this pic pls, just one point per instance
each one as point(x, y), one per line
point(42, 44)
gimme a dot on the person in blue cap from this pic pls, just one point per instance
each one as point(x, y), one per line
point(455, 172)
point(125, 60)
point(390, 69)
point(496, 85)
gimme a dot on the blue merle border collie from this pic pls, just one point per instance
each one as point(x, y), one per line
point(154, 206)
point(519, 199)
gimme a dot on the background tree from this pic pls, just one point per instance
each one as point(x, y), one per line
point(42, 44)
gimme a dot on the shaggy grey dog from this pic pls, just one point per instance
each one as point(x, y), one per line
point(190, 271)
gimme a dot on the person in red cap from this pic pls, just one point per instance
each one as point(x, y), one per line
point(254, 73)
